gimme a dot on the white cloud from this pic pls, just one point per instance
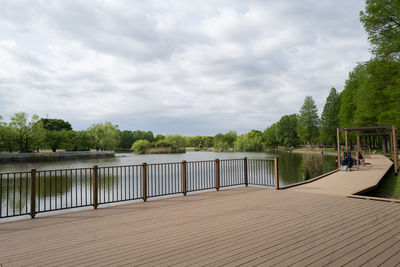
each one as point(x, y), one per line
point(189, 67)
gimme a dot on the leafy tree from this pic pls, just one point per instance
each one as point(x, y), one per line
point(55, 125)
point(56, 139)
point(307, 126)
point(349, 95)
point(79, 141)
point(251, 141)
point(163, 143)
point(105, 136)
point(225, 141)
point(330, 117)
point(175, 140)
point(126, 140)
point(140, 146)
point(270, 136)
point(138, 135)
point(27, 135)
point(286, 131)
point(208, 141)
point(159, 137)
point(381, 21)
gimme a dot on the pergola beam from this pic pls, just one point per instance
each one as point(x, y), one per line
point(366, 128)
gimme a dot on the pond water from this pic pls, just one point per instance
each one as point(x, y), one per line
point(290, 164)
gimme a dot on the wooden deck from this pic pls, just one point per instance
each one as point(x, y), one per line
point(348, 183)
point(249, 226)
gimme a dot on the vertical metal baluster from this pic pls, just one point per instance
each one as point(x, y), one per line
point(71, 187)
point(108, 184)
point(112, 184)
point(86, 199)
point(66, 189)
point(45, 190)
point(129, 182)
point(20, 193)
point(161, 190)
point(126, 184)
point(50, 190)
point(13, 195)
point(1, 195)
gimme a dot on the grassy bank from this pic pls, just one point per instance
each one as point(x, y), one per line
point(388, 188)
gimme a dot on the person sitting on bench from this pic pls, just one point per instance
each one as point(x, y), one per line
point(347, 161)
point(361, 159)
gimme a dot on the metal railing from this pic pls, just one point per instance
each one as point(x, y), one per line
point(24, 193)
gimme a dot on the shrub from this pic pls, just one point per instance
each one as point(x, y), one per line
point(313, 165)
point(140, 146)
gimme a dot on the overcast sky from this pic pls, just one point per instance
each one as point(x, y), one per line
point(175, 66)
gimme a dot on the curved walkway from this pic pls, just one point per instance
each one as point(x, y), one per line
point(349, 183)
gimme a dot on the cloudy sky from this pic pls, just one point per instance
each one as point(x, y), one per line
point(175, 66)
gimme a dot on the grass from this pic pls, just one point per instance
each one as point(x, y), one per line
point(389, 187)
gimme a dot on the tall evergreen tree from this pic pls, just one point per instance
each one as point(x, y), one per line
point(381, 20)
point(330, 117)
point(307, 126)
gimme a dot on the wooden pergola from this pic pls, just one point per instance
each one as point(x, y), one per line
point(368, 129)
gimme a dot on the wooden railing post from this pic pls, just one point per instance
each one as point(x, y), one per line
point(338, 147)
point(144, 181)
point(276, 173)
point(33, 193)
point(217, 174)
point(246, 179)
point(184, 187)
point(396, 156)
point(95, 186)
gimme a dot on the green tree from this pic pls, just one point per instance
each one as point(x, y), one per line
point(307, 126)
point(251, 141)
point(159, 137)
point(176, 140)
point(330, 117)
point(79, 141)
point(56, 139)
point(27, 135)
point(126, 140)
point(140, 146)
point(286, 131)
point(381, 20)
point(105, 136)
point(225, 141)
point(55, 125)
point(270, 136)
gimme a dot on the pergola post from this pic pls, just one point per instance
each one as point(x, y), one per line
point(345, 137)
point(338, 146)
point(396, 159)
point(358, 151)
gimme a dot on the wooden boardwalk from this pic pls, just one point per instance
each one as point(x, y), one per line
point(249, 226)
point(348, 183)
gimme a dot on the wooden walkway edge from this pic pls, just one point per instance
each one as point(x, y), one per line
point(350, 183)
